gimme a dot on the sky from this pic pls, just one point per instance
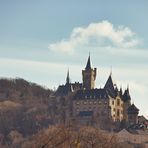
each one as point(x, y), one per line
point(41, 39)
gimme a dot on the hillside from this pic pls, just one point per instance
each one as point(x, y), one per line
point(25, 107)
point(19, 89)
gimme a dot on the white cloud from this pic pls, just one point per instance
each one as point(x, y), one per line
point(98, 35)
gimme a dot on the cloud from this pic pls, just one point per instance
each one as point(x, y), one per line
point(101, 34)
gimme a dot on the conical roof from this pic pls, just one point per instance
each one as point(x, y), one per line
point(109, 86)
point(133, 109)
point(121, 90)
point(126, 95)
point(88, 65)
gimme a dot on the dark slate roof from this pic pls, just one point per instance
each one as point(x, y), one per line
point(141, 118)
point(116, 91)
point(126, 95)
point(88, 66)
point(109, 86)
point(85, 113)
point(77, 86)
point(63, 90)
point(91, 94)
point(120, 92)
point(133, 109)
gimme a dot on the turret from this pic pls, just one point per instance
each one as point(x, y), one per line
point(126, 98)
point(89, 76)
point(126, 95)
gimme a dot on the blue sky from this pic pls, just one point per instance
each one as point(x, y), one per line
point(40, 39)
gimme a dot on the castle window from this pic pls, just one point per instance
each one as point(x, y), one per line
point(95, 102)
point(99, 102)
point(103, 113)
point(85, 102)
point(118, 112)
point(112, 102)
point(85, 97)
point(114, 109)
point(105, 102)
point(118, 102)
point(98, 114)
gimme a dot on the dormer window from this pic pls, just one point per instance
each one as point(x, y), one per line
point(99, 102)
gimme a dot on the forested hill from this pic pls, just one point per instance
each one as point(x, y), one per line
point(17, 89)
point(25, 108)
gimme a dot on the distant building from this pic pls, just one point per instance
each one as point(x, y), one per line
point(133, 112)
point(90, 104)
point(138, 137)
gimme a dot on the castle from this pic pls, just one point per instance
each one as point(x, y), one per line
point(88, 103)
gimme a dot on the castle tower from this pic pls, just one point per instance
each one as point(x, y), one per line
point(126, 98)
point(89, 76)
point(133, 112)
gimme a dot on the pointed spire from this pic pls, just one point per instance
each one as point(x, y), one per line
point(111, 70)
point(126, 95)
point(120, 90)
point(128, 87)
point(67, 78)
point(109, 83)
point(110, 86)
point(88, 66)
point(128, 90)
point(120, 87)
